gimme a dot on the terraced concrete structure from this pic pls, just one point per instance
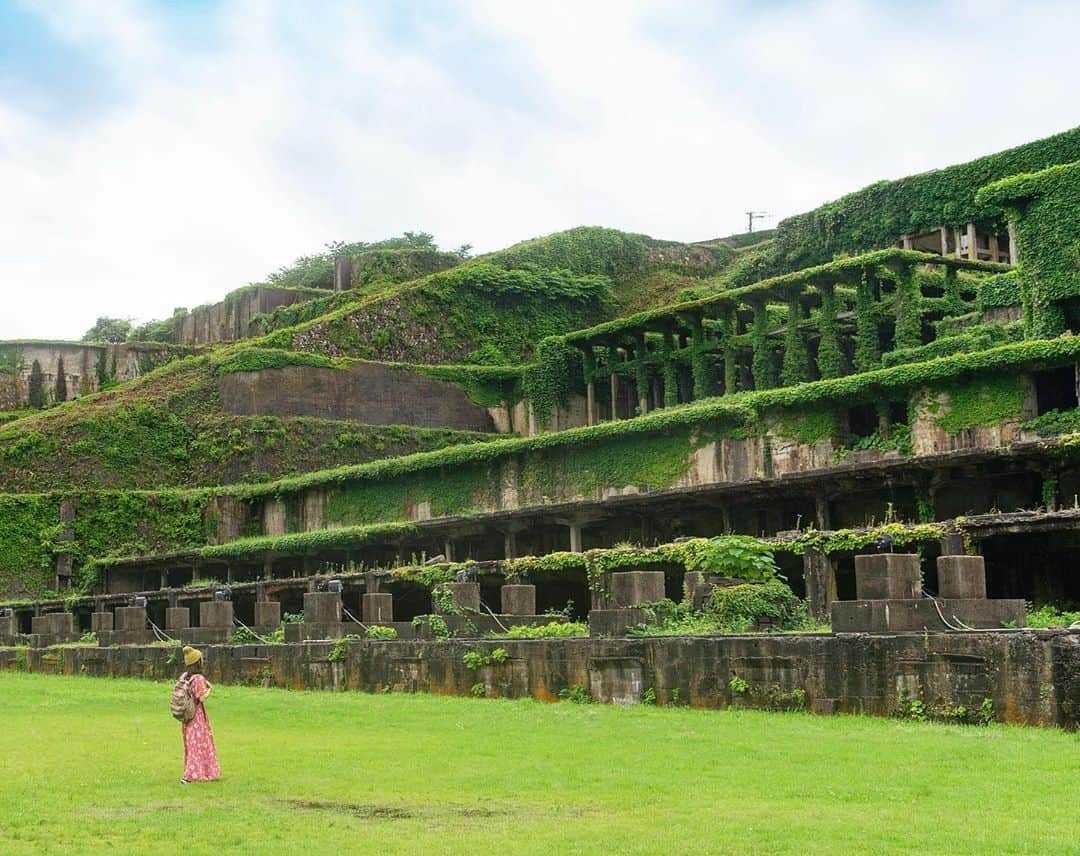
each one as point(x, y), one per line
point(895, 369)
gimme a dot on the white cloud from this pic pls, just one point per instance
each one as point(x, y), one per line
point(286, 127)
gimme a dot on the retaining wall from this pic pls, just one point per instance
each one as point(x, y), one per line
point(1031, 676)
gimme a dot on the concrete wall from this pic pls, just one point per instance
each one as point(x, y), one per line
point(508, 483)
point(1032, 676)
point(125, 361)
point(367, 392)
point(228, 321)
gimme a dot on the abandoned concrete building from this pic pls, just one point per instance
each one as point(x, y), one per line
point(592, 428)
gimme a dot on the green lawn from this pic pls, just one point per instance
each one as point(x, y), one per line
point(92, 765)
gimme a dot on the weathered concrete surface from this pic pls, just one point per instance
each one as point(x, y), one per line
point(1031, 676)
point(888, 576)
point(228, 320)
point(367, 392)
point(904, 616)
point(85, 365)
point(961, 576)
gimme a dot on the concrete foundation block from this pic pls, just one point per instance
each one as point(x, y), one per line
point(961, 577)
point(216, 613)
point(177, 618)
point(464, 596)
point(913, 616)
point(9, 627)
point(130, 618)
point(377, 608)
point(518, 600)
point(322, 607)
point(888, 576)
point(100, 621)
point(630, 588)
point(267, 614)
point(614, 622)
point(54, 624)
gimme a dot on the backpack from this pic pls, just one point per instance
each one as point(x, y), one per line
point(182, 703)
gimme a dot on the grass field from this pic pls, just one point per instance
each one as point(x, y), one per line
point(92, 765)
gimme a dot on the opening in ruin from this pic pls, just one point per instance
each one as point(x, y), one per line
point(1029, 566)
point(863, 420)
point(1055, 389)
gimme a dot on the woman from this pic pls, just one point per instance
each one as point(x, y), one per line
point(200, 755)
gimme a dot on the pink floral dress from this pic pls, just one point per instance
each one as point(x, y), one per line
point(200, 755)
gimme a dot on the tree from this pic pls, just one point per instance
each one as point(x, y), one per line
point(61, 382)
point(108, 330)
point(36, 390)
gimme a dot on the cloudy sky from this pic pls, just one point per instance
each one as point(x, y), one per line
point(158, 154)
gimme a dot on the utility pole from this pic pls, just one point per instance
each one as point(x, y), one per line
point(751, 216)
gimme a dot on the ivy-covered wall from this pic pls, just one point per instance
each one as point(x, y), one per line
point(1045, 208)
point(878, 215)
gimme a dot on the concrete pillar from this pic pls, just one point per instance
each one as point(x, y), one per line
point(9, 626)
point(888, 576)
point(973, 252)
point(590, 402)
point(177, 618)
point(993, 248)
point(101, 621)
point(215, 613)
point(1014, 256)
point(130, 618)
point(163, 579)
point(575, 537)
point(944, 240)
point(518, 599)
point(343, 273)
point(630, 588)
point(464, 596)
point(821, 512)
point(267, 613)
point(614, 393)
point(906, 241)
point(268, 567)
point(448, 549)
point(961, 577)
point(820, 578)
point(322, 607)
point(377, 608)
point(952, 545)
point(509, 545)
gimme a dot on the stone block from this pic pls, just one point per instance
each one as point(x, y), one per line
point(464, 596)
point(888, 576)
point(961, 577)
point(267, 614)
point(377, 608)
point(631, 588)
point(614, 622)
point(9, 627)
point(61, 624)
point(518, 600)
point(912, 616)
point(322, 607)
point(216, 613)
point(130, 618)
point(177, 618)
point(100, 621)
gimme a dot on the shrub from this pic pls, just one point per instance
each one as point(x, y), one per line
point(744, 607)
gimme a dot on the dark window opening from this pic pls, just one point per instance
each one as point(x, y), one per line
point(1056, 390)
point(863, 420)
point(898, 412)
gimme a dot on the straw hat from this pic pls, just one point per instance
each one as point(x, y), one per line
point(191, 655)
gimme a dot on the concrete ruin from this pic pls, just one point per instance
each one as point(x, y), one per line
point(917, 389)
